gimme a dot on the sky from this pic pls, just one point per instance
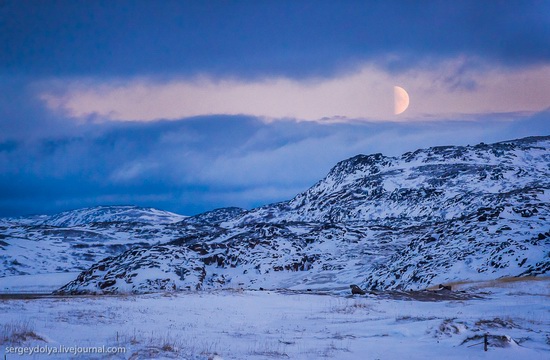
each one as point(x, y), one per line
point(192, 105)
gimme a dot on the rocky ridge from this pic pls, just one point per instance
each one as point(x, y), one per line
point(431, 216)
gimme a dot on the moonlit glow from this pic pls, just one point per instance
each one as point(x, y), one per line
point(401, 100)
point(364, 94)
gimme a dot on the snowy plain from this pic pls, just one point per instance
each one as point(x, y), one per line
point(233, 324)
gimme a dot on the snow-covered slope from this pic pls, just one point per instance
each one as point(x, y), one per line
point(105, 214)
point(441, 182)
point(216, 216)
point(431, 216)
point(75, 240)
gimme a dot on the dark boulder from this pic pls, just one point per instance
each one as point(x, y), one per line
point(356, 290)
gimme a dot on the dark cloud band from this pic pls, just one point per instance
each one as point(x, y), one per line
point(291, 38)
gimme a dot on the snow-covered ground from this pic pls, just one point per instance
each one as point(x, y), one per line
point(37, 283)
point(276, 325)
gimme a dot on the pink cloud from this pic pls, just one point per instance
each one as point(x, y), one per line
point(445, 89)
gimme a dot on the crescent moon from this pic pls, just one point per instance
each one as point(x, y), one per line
point(400, 100)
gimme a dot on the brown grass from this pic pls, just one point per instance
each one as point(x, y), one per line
point(496, 282)
point(17, 333)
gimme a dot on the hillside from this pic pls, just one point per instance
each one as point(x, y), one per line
point(431, 216)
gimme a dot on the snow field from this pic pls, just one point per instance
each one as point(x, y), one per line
point(273, 325)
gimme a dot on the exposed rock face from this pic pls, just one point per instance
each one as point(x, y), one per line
point(431, 216)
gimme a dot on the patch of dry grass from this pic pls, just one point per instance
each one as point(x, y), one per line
point(17, 333)
point(350, 308)
point(153, 346)
point(496, 323)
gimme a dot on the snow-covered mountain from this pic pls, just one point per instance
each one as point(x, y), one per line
point(75, 240)
point(104, 214)
point(440, 183)
point(431, 216)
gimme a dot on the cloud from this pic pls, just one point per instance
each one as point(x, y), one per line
point(194, 165)
point(441, 89)
point(294, 39)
